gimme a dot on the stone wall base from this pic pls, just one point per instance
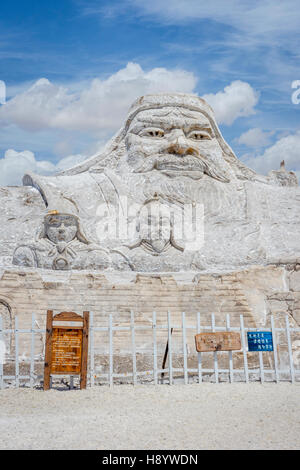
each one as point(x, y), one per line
point(255, 293)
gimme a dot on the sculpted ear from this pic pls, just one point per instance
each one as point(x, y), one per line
point(41, 231)
point(80, 234)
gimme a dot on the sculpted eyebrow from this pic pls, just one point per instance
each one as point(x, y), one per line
point(151, 122)
point(161, 124)
point(142, 125)
point(203, 127)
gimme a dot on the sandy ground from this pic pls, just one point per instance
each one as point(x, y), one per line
point(185, 417)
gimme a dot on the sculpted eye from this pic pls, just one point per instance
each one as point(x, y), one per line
point(199, 135)
point(68, 222)
point(157, 133)
point(54, 222)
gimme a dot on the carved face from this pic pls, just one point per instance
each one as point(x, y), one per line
point(155, 225)
point(175, 142)
point(61, 228)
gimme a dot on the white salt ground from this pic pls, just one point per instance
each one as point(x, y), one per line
point(185, 417)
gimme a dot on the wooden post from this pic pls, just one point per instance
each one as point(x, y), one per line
point(92, 351)
point(84, 356)
point(48, 350)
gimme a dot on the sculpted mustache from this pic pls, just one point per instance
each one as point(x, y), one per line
point(187, 162)
point(151, 162)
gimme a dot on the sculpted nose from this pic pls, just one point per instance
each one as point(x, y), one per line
point(178, 144)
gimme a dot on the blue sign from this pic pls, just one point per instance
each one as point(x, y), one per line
point(260, 341)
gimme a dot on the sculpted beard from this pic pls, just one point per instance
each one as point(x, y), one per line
point(177, 165)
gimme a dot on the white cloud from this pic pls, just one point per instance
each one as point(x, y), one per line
point(35, 108)
point(238, 99)
point(99, 108)
point(255, 138)
point(254, 16)
point(286, 148)
point(15, 164)
point(68, 162)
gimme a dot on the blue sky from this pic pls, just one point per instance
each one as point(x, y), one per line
point(81, 50)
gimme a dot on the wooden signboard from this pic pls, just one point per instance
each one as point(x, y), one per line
point(66, 350)
point(220, 341)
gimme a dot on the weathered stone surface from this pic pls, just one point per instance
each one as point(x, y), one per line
point(169, 153)
point(22, 210)
point(56, 251)
point(246, 292)
point(295, 281)
point(296, 316)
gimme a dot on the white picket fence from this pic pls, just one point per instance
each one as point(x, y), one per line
point(290, 372)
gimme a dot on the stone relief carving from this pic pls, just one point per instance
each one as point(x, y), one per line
point(170, 149)
point(171, 124)
point(155, 248)
point(61, 245)
point(175, 142)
